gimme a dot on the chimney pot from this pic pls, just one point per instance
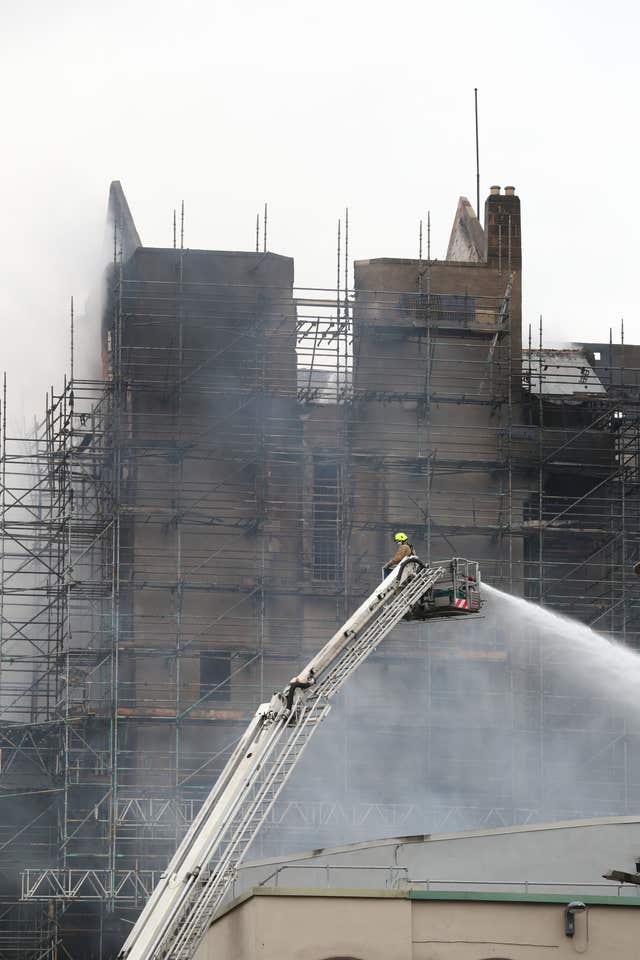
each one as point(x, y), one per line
point(509, 191)
point(494, 191)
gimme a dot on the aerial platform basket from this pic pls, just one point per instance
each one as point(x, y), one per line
point(457, 593)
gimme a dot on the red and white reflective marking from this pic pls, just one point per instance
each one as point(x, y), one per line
point(462, 604)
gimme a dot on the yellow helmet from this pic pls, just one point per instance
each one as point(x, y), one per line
point(401, 538)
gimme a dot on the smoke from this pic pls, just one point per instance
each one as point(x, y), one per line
point(516, 716)
point(57, 254)
point(53, 251)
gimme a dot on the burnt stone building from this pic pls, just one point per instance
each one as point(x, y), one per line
point(227, 494)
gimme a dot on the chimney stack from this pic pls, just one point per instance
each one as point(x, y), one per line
point(502, 229)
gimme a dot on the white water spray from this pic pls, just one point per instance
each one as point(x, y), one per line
point(603, 668)
point(517, 716)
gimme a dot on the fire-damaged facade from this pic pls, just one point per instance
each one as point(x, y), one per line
point(195, 524)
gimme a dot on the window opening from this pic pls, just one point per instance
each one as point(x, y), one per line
point(326, 488)
point(215, 673)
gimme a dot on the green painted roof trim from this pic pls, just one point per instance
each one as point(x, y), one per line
point(413, 894)
point(523, 897)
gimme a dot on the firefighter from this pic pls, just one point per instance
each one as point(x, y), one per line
point(299, 683)
point(404, 549)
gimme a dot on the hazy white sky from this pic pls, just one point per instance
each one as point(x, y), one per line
point(312, 107)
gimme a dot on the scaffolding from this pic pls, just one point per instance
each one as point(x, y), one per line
point(179, 536)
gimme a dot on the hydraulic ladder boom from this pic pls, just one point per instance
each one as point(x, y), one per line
point(203, 868)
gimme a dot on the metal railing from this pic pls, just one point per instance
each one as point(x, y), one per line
point(528, 886)
point(393, 877)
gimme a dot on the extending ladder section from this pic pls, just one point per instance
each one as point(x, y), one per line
point(203, 869)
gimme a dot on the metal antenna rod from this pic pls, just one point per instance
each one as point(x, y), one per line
point(428, 236)
point(182, 226)
point(541, 584)
point(71, 359)
point(264, 229)
point(4, 422)
point(338, 271)
point(346, 260)
point(610, 356)
point(257, 232)
point(175, 227)
point(338, 313)
point(475, 94)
